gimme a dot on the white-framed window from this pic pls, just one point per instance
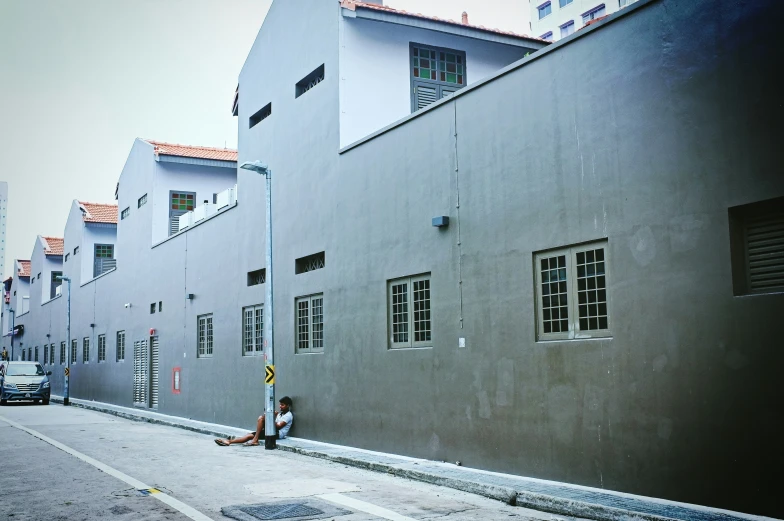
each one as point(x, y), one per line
point(547, 36)
point(36, 353)
point(544, 9)
point(408, 311)
point(252, 330)
point(309, 323)
point(593, 14)
point(51, 354)
point(74, 345)
point(142, 201)
point(125, 213)
point(567, 28)
point(62, 353)
point(46, 354)
point(204, 336)
point(85, 350)
point(571, 292)
point(564, 3)
point(120, 354)
point(101, 348)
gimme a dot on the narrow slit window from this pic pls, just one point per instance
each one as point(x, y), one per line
point(309, 81)
point(262, 114)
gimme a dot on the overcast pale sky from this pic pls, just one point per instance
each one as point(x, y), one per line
point(81, 79)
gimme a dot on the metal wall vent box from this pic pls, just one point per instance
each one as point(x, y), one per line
point(441, 220)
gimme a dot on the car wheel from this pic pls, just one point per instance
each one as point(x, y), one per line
point(3, 402)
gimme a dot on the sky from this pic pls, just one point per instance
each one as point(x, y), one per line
point(81, 79)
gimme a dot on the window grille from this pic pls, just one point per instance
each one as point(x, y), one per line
point(179, 203)
point(142, 201)
point(253, 330)
point(435, 74)
point(257, 277)
point(262, 114)
point(409, 312)
point(152, 308)
point(51, 354)
point(204, 336)
point(309, 263)
point(564, 3)
point(757, 247)
point(571, 292)
point(120, 354)
point(310, 323)
point(101, 348)
point(74, 344)
point(309, 81)
point(62, 353)
point(46, 354)
point(36, 353)
point(160, 306)
point(85, 350)
point(125, 213)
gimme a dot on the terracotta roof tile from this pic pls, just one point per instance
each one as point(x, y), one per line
point(99, 212)
point(54, 245)
point(25, 268)
point(171, 149)
point(353, 4)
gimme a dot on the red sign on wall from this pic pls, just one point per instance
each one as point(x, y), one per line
point(176, 380)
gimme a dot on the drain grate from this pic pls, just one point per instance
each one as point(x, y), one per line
point(284, 510)
point(281, 511)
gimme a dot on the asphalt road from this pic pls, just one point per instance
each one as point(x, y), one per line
point(66, 463)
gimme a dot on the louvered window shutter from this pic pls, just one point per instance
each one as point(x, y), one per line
point(765, 253)
point(446, 91)
point(425, 95)
point(174, 221)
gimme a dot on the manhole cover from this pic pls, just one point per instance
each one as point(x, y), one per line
point(280, 510)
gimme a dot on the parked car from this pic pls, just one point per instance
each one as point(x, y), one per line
point(24, 381)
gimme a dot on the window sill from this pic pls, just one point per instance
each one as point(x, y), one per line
point(577, 339)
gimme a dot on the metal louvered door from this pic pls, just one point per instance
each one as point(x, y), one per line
point(154, 372)
point(424, 95)
point(765, 253)
point(141, 373)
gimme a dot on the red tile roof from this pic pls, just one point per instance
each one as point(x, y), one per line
point(353, 4)
point(54, 245)
point(99, 212)
point(171, 149)
point(25, 268)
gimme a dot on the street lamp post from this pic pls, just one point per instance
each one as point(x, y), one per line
point(270, 433)
point(13, 326)
point(68, 336)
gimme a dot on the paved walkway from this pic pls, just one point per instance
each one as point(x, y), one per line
point(548, 496)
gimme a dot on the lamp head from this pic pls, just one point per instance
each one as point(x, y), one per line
point(61, 277)
point(256, 166)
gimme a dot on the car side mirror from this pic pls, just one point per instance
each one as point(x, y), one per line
point(48, 373)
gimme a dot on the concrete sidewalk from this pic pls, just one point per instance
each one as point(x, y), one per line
point(547, 496)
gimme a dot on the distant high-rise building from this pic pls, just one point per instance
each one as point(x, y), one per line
point(3, 213)
point(555, 19)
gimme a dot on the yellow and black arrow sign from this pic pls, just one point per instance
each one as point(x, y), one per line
point(269, 378)
point(67, 371)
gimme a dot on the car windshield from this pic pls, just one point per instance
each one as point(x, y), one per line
point(24, 370)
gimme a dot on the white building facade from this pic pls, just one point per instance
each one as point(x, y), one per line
point(555, 19)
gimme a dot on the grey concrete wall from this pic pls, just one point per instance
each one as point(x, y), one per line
point(681, 402)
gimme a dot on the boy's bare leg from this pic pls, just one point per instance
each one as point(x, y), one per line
point(259, 431)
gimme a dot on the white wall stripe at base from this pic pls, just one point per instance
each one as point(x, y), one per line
point(135, 483)
point(363, 506)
